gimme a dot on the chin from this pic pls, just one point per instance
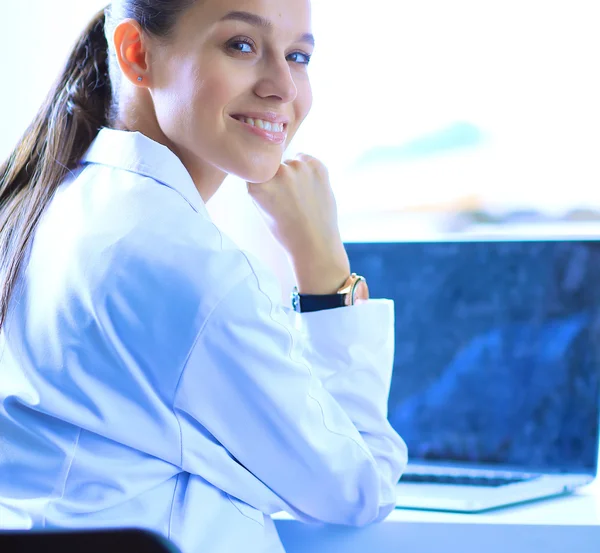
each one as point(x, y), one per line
point(257, 170)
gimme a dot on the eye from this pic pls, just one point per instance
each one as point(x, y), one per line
point(241, 45)
point(299, 57)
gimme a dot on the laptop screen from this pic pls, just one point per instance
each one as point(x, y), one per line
point(497, 357)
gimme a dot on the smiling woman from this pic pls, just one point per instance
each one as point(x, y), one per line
point(221, 65)
point(151, 377)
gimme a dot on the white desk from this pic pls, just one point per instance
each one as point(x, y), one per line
point(568, 524)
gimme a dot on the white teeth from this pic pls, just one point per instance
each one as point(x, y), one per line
point(266, 125)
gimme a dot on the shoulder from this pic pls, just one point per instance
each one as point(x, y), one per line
point(139, 240)
point(135, 270)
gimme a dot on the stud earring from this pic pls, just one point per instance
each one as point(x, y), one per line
point(140, 78)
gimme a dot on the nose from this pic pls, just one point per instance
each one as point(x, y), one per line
point(276, 81)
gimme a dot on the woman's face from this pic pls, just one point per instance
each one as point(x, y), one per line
point(231, 87)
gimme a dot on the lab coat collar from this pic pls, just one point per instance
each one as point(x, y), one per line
point(135, 152)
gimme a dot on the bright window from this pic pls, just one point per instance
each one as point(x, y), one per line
point(430, 114)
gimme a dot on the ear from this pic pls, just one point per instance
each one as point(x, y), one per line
point(131, 49)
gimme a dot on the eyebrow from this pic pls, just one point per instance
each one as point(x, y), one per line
point(259, 21)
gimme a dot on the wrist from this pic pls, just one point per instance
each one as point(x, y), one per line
point(353, 291)
point(320, 268)
point(323, 278)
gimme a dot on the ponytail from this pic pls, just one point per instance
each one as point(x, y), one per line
point(53, 145)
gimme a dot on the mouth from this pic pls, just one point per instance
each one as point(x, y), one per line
point(269, 126)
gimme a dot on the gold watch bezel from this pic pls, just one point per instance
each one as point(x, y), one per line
point(349, 288)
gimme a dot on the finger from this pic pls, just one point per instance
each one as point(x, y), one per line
point(295, 160)
point(305, 157)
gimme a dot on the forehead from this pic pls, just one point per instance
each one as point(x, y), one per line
point(287, 16)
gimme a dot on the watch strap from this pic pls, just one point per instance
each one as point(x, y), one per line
point(307, 303)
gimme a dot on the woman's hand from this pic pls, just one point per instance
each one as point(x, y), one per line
point(300, 210)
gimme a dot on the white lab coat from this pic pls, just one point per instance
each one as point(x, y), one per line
point(151, 378)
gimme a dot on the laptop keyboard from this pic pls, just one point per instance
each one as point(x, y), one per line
point(464, 479)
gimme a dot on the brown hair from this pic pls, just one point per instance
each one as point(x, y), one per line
point(78, 105)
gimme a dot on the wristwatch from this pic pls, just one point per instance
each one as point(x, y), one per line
point(355, 288)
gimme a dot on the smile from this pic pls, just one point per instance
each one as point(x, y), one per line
point(261, 124)
point(271, 132)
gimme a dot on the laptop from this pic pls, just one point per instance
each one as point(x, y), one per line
point(496, 379)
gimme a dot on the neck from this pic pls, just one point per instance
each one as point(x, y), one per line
point(206, 178)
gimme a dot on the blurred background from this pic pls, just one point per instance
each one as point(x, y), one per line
point(433, 117)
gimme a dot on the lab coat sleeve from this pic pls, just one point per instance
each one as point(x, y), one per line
point(302, 407)
point(351, 350)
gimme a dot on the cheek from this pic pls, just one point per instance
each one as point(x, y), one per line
point(205, 90)
point(209, 95)
point(304, 100)
point(202, 99)
point(302, 106)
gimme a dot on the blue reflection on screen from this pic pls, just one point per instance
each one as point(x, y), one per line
point(497, 348)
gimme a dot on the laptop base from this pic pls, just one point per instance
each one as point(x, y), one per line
point(475, 499)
